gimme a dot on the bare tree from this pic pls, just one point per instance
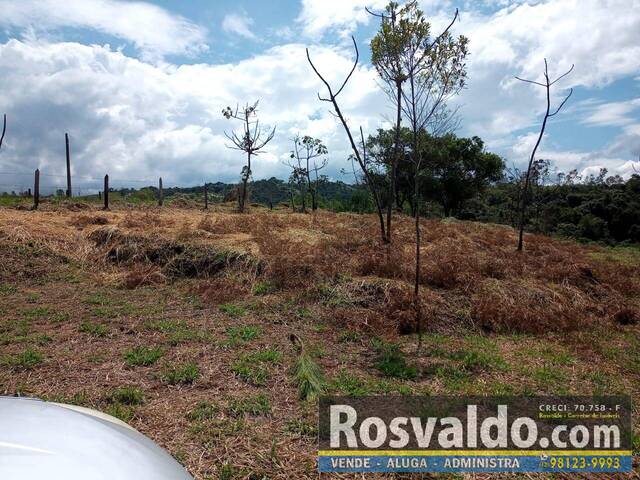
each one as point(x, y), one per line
point(4, 129)
point(252, 141)
point(547, 86)
point(361, 158)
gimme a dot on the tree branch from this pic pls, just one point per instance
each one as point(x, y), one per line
point(4, 129)
point(562, 104)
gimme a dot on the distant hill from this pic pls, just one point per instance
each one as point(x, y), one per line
point(273, 189)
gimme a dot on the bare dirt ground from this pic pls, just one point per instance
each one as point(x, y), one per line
point(178, 321)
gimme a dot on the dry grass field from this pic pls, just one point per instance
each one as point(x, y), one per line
point(179, 321)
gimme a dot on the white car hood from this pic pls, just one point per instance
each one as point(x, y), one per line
point(42, 440)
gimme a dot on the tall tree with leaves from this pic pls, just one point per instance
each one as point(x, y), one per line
point(252, 141)
point(306, 151)
point(436, 72)
point(387, 48)
point(546, 84)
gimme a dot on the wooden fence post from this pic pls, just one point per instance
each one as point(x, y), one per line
point(36, 189)
point(206, 197)
point(106, 192)
point(66, 142)
point(160, 193)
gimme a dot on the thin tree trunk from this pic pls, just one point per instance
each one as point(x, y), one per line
point(394, 161)
point(523, 207)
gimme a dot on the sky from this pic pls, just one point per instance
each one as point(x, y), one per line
point(140, 86)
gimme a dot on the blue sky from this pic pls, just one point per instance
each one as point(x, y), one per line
point(140, 86)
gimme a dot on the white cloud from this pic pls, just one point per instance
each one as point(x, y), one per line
point(135, 120)
point(238, 24)
point(152, 29)
point(613, 113)
point(321, 16)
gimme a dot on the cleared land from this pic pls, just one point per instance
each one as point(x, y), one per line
point(178, 321)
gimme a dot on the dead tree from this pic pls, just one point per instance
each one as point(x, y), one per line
point(252, 141)
point(4, 129)
point(360, 158)
point(527, 180)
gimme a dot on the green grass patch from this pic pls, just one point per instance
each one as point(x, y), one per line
point(182, 374)
point(233, 310)
point(7, 289)
point(120, 411)
point(349, 336)
point(392, 362)
point(346, 383)
point(143, 356)
point(255, 406)
point(301, 428)
point(36, 313)
point(244, 334)
point(251, 369)
point(263, 288)
point(25, 360)
point(95, 329)
point(203, 411)
point(127, 396)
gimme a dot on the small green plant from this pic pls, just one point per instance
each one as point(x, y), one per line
point(36, 313)
point(203, 411)
point(227, 472)
point(95, 329)
point(233, 310)
point(268, 355)
point(244, 334)
point(349, 336)
point(127, 396)
point(251, 373)
point(255, 406)
point(301, 428)
point(98, 299)
point(308, 376)
point(263, 288)
point(7, 289)
point(182, 374)
point(392, 363)
point(348, 384)
point(143, 356)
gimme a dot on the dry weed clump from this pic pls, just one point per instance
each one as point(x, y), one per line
point(81, 221)
point(144, 220)
point(177, 260)
point(141, 275)
point(221, 290)
point(525, 306)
